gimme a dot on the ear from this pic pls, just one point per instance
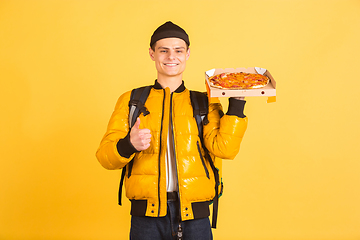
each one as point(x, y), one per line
point(151, 53)
point(188, 54)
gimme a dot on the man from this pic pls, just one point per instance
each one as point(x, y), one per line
point(169, 184)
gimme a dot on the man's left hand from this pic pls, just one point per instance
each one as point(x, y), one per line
point(239, 98)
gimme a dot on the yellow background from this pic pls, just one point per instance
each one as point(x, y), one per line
point(63, 64)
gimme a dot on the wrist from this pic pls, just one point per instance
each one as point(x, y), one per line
point(236, 107)
point(239, 98)
point(125, 147)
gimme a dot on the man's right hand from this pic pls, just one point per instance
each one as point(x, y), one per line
point(140, 138)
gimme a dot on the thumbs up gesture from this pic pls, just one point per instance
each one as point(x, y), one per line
point(140, 138)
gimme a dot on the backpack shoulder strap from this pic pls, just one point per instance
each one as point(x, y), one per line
point(136, 106)
point(137, 103)
point(200, 104)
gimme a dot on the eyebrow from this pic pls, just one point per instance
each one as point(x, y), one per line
point(169, 48)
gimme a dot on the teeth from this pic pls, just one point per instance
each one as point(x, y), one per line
point(170, 64)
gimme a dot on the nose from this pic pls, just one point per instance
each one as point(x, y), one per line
point(171, 55)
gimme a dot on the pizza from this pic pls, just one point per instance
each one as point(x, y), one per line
point(239, 80)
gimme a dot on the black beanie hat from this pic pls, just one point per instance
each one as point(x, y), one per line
point(168, 30)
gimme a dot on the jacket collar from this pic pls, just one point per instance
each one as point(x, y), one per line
point(180, 89)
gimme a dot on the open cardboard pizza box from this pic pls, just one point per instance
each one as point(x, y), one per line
point(269, 90)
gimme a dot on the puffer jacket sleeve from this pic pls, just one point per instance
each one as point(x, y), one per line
point(118, 129)
point(224, 133)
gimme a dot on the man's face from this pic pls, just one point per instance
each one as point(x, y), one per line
point(170, 57)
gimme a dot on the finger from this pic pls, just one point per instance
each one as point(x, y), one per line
point(137, 123)
point(147, 137)
point(146, 146)
point(144, 131)
point(146, 140)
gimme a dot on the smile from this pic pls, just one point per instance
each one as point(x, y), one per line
point(170, 64)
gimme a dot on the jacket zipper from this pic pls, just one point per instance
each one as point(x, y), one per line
point(159, 162)
point(202, 160)
point(176, 168)
point(173, 143)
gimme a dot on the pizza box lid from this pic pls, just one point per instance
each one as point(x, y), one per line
point(269, 90)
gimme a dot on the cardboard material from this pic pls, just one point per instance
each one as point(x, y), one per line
point(269, 90)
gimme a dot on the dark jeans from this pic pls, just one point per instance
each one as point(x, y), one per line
point(166, 228)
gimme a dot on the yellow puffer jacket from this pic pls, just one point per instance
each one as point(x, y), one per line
point(146, 186)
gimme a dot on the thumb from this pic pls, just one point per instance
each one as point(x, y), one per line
point(137, 123)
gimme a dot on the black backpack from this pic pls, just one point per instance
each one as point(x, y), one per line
point(199, 102)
